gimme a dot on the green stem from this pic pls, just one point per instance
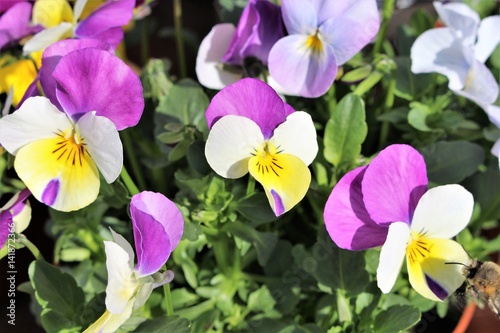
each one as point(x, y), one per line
point(178, 37)
point(386, 19)
point(250, 185)
point(219, 245)
point(32, 247)
point(168, 299)
point(389, 102)
point(131, 157)
point(129, 183)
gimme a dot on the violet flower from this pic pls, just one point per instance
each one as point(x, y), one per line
point(61, 21)
point(158, 226)
point(253, 130)
point(15, 215)
point(386, 204)
point(227, 53)
point(15, 24)
point(322, 35)
point(59, 141)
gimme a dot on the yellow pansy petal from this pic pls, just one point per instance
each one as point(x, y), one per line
point(90, 7)
point(19, 75)
point(109, 322)
point(59, 172)
point(428, 271)
point(52, 13)
point(284, 177)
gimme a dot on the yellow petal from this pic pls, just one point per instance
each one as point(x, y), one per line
point(59, 172)
point(90, 7)
point(19, 75)
point(285, 177)
point(110, 322)
point(52, 13)
point(428, 271)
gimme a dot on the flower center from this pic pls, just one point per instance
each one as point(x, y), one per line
point(267, 160)
point(314, 43)
point(70, 147)
point(418, 248)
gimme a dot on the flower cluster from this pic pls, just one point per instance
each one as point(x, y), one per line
point(357, 172)
point(321, 35)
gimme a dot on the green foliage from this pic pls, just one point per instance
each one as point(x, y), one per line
point(345, 132)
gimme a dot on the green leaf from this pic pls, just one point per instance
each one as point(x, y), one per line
point(451, 162)
point(196, 157)
point(165, 324)
point(187, 102)
point(408, 85)
point(256, 208)
point(418, 115)
point(337, 268)
point(261, 300)
point(396, 318)
point(345, 131)
point(357, 74)
point(58, 294)
point(264, 242)
point(55, 322)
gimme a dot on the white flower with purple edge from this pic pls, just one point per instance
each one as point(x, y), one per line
point(58, 139)
point(157, 226)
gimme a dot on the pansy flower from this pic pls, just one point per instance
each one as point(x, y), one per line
point(16, 74)
point(322, 35)
point(253, 130)
point(459, 51)
point(15, 215)
point(386, 204)
point(61, 21)
point(227, 53)
point(158, 226)
point(61, 143)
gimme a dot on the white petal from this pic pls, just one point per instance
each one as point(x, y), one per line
point(230, 144)
point(36, 119)
point(208, 61)
point(103, 144)
point(461, 18)
point(488, 37)
point(297, 136)
point(109, 322)
point(124, 244)
point(78, 9)
point(443, 211)
point(23, 218)
point(437, 50)
point(495, 150)
point(392, 255)
point(122, 284)
point(493, 112)
point(481, 86)
point(46, 37)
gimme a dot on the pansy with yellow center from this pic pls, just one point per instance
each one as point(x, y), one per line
point(386, 203)
point(253, 130)
point(62, 21)
point(322, 36)
point(62, 141)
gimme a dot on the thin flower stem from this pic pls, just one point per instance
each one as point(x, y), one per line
point(250, 185)
point(168, 299)
point(129, 183)
point(178, 37)
point(389, 102)
point(387, 12)
point(32, 247)
point(131, 157)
